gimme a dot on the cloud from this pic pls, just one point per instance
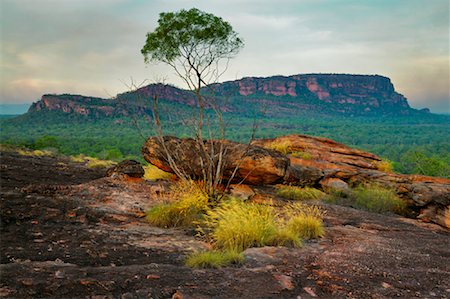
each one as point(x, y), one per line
point(89, 47)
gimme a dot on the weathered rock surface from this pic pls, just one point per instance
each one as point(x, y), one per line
point(329, 160)
point(130, 168)
point(85, 238)
point(255, 165)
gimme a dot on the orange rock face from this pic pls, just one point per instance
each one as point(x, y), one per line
point(251, 164)
point(328, 161)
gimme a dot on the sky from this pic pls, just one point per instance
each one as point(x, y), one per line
point(93, 47)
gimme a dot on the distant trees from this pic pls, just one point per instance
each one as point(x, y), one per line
point(197, 45)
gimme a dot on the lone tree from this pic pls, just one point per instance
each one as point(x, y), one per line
point(195, 44)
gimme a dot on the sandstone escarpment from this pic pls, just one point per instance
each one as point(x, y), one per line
point(366, 95)
point(349, 94)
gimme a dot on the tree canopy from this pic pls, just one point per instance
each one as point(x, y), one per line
point(191, 41)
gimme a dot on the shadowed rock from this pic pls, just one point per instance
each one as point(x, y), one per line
point(131, 168)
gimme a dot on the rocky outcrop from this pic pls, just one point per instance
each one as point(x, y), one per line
point(75, 104)
point(336, 93)
point(251, 164)
point(311, 161)
point(326, 163)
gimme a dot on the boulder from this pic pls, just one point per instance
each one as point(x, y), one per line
point(130, 168)
point(241, 191)
point(254, 165)
point(330, 184)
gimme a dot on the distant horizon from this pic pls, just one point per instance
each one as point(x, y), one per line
point(7, 108)
point(93, 47)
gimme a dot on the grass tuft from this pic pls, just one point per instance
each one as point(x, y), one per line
point(236, 225)
point(373, 198)
point(378, 199)
point(385, 166)
point(187, 203)
point(284, 147)
point(304, 221)
point(153, 173)
point(214, 259)
point(298, 193)
point(37, 153)
point(92, 162)
point(302, 155)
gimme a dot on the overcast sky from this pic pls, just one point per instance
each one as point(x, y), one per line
point(91, 47)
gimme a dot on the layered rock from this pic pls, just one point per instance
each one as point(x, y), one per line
point(330, 163)
point(348, 94)
point(323, 93)
point(76, 104)
point(312, 161)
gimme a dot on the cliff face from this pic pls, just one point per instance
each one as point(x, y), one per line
point(77, 104)
point(325, 93)
point(348, 94)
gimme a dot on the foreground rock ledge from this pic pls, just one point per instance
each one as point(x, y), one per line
point(325, 164)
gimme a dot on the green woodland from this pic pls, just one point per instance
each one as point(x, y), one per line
point(417, 145)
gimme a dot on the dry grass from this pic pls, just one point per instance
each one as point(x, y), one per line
point(302, 155)
point(92, 162)
point(384, 165)
point(187, 203)
point(284, 147)
point(236, 225)
point(214, 259)
point(153, 173)
point(36, 153)
point(298, 193)
point(304, 221)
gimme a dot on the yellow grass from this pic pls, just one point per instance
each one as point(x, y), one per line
point(92, 162)
point(153, 173)
point(284, 147)
point(384, 165)
point(187, 202)
point(236, 225)
point(38, 153)
point(302, 155)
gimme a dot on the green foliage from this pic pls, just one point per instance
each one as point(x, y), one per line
point(415, 145)
point(214, 259)
point(187, 203)
point(378, 199)
point(191, 34)
point(374, 198)
point(298, 193)
point(418, 162)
